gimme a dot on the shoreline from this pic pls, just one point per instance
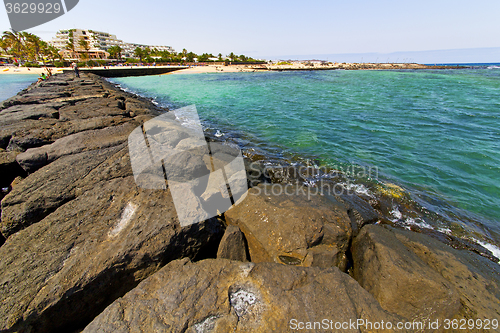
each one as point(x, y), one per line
point(202, 69)
point(75, 219)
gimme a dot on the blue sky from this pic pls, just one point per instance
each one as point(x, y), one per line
point(277, 28)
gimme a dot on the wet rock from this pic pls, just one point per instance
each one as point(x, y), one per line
point(360, 212)
point(58, 274)
point(281, 221)
point(220, 295)
point(232, 245)
point(423, 279)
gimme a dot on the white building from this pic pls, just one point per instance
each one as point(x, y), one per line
point(99, 43)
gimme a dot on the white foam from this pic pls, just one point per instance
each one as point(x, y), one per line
point(421, 224)
point(445, 230)
point(126, 217)
point(358, 188)
point(396, 214)
point(494, 249)
point(219, 134)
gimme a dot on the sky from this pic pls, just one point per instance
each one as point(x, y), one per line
point(276, 28)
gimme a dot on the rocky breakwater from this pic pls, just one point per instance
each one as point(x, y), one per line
point(89, 249)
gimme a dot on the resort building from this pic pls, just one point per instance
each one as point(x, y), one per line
point(98, 44)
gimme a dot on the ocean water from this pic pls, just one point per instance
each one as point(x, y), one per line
point(11, 84)
point(434, 133)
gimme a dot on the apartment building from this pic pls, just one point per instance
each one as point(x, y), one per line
point(99, 43)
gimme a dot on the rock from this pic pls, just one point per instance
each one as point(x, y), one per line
point(232, 246)
point(475, 277)
point(392, 273)
point(22, 112)
point(90, 108)
point(284, 223)
point(61, 272)
point(35, 158)
point(360, 212)
point(220, 295)
point(47, 189)
point(9, 168)
point(423, 279)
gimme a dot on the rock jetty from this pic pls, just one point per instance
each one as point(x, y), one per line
point(84, 248)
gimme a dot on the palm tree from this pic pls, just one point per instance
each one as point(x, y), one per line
point(33, 45)
point(15, 43)
point(70, 46)
point(84, 44)
point(139, 53)
point(115, 52)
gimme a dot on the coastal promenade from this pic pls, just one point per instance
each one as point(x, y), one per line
point(85, 249)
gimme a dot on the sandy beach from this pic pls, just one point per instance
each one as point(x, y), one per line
point(26, 70)
point(214, 69)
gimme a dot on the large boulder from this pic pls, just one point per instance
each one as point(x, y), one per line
point(59, 273)
point(45, 190)
point(292, 225)
point(219, 295)
point(35, 158)
point(232, 245)
point(423, 279)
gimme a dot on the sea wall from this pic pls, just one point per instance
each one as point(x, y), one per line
point(129, 71)
point(85, 248)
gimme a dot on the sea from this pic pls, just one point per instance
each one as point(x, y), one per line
point(433, 135)
point(11, 84)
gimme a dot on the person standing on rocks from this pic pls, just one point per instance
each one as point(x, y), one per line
point(74, 65)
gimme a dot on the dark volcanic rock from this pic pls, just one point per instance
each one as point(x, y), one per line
point(284, 224)
point(57, 183)
point(9, 168)
point(220, 295)
point(60, 273)
point(232, 246)
point(90, 108)
point(360, 212)
point(22, 112)
point(423, 279)
point(35, 158)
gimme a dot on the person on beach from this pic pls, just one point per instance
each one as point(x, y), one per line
point(42, 78)
point(74, 65)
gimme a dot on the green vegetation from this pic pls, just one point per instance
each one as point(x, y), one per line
point(29, 49)
point(25, 47)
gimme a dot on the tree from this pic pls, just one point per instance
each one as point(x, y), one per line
point(139, 53)
point(232, 56)
point(84, 44)
point(15, 43)
point(70, 46)
point(220, 57)
point(115, 52)
point(190, 57)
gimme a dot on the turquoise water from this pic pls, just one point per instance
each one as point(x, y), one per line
point(11, 84)
point(436, 133)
